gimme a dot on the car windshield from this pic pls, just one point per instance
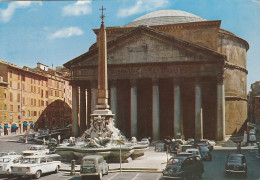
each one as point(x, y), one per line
point(175, 161)
point(3, 154)
point(193, 152)
point(204, 148)
point(34, 148)
point(5, 160)
point(29, 160)
point(234, 159)
point(89, 162)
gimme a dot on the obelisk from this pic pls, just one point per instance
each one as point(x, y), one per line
point(102, 118)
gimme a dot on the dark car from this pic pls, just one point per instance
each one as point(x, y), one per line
point(236, 163)
point(184, 167)
point(174, 148)
point(159, 147)
point(205, 153)
point(204, 143)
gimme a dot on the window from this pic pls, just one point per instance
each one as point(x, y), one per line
point(10, 74)
point(18, 97)
point(5, 107)
point(11, 108)
point(23, 87)
point(11, 97)
point(4, 95)
point(46, 95)
point(47, 103)
point(29, 113)
point(19, 108)
point(34, 102)
point(42, 93)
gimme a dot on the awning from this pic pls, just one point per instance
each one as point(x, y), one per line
point(1, 127)
point(32, 124)
point(6, 126)
point(14, 126)
point(25, 124)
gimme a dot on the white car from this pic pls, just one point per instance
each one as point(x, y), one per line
point(7, 161)
point(193, 151)
point(35, 150)
point(7, 153)
point(35, 166)
point(145, 141)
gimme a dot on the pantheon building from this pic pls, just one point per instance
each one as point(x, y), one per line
point(169, 72)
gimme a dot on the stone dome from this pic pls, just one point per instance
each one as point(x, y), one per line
point(163, 17)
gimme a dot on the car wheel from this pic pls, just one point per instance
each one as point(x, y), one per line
point(57, 169)
point(38, 174)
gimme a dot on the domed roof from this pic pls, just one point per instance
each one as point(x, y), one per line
point(163, 17)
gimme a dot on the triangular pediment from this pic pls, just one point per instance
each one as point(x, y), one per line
point(146, 45)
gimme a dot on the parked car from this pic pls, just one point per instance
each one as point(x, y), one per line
point(204, 142)
point(145, 141)
point(93, 165)
point(7, 161)
point(236, 163)
point(174, 148)
point(35, 150)
point(183, 167)
point(159, 147)
point(35, 166)
point(194, 151)
point(7, 153)
point(205, 153)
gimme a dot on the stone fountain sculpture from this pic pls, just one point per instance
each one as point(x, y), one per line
point(102, 136)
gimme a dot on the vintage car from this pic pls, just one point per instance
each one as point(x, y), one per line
point(93, 165)
point(7, 153)
point(7, 161)
point(159, 147)
point(35, 150)
point(193, 151)
point(236, 163)
point(35, 166)
point(204, 142)
point(183, 167)
point(205, 153)
point(144, 141)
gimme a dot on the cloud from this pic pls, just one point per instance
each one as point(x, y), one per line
point(7, 14)
point(77, 9)
point(141, 6)
point(66, 33)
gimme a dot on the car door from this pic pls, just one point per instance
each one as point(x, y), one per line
point(44, 165)
point(185, 168)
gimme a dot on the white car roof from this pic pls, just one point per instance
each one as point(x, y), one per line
point(191, 149)
point(11, 156)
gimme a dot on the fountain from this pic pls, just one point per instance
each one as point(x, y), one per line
point(102, 138)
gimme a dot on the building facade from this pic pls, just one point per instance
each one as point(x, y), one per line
point(169, 72)
point(33, 98)
point(254, 103)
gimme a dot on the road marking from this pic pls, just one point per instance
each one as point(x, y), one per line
point(135, 176)
point(158, 177)
point(113, 176)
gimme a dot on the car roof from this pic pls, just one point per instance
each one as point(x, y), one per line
point(236, 154)
point(37, 156)
point(11, 156)
point(192, 149)
point(185, 154)
point(92, 156)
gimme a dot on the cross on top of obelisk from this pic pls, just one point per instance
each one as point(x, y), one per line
point(102, 16)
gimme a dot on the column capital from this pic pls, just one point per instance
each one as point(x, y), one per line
point(133, 82)
point(113, 82)
point(93, 84)
point(155, 81)
point(220, 79)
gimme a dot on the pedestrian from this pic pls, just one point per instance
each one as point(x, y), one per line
point(59, 139)
point(25, 140)
point(239, 147)
point(43, 140)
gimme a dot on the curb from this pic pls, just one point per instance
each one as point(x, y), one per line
point(152, 170)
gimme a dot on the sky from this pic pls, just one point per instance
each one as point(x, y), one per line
point(54, 32)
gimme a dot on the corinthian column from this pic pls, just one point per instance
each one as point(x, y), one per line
point(75, 110)
point(177, 107)
point(198, 114)
point(133, 109)
point(156, 114)
point(220, 109)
